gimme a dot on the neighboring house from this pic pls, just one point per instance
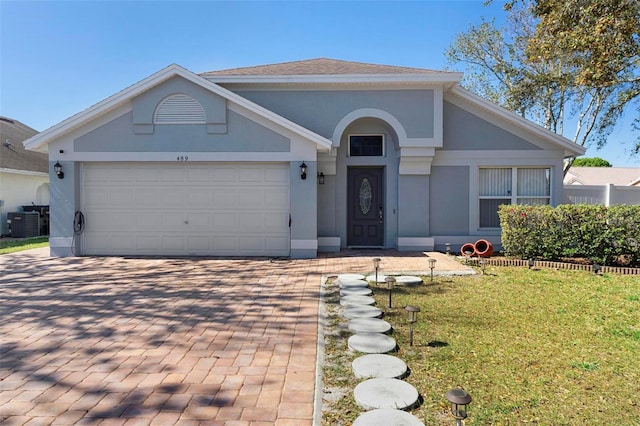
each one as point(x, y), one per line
point(621, 176)
point(292, 159)
point(24, 175)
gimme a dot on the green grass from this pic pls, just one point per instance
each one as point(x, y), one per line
point(548, 347)
point(12, 246)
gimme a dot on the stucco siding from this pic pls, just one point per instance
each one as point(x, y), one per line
point(466, 131)
point(449, 204)
point(320, 111)
point(243, 135)
point(413, 205)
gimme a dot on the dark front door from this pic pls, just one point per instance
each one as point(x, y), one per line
point(365, 207)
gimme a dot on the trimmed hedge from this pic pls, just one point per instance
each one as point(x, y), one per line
point(606, 235)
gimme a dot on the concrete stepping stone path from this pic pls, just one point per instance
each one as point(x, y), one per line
point(350, 277)
point(372, 343)
point(387, 417)
point(357, 300)
point(408, 280)
point(365, 311)
point(373, 366)
point(356, 291)
point(385, 393)
point(353, 284)
point(369, 325)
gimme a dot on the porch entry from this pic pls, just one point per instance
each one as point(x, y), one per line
point(365, 207)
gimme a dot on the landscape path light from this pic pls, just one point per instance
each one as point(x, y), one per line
point(448, 248)
point(376, 265)
point(459, 399)
point(390, 282)
point(531, 262)
point(483, 265)
point(413, 317)
point(432, 264)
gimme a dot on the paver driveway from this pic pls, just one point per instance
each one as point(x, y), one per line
point(165, 341)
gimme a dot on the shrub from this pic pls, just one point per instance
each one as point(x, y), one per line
point(602, 234)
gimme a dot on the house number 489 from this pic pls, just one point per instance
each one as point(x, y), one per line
point(182, 158)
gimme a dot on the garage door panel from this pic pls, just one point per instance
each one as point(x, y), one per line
point(186, 208)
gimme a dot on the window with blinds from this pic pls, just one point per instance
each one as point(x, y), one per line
point(495, 186)
point(179, 109)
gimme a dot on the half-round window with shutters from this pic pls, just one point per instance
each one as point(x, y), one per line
point(179, 109)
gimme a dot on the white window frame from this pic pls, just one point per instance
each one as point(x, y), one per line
point(514, 196)
point(384, 145)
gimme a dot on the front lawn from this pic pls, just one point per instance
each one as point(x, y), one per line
point(549, 347)
point(12, 246)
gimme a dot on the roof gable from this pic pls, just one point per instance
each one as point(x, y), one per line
point(570, 149)
point(38, 141)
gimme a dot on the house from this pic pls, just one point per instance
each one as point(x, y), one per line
point(621, 176)
point(290, 159)
point(24, 175)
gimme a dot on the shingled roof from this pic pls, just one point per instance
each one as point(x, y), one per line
point(13, 156)
point(320, 66)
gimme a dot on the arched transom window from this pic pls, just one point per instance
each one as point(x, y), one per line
point(179, 109)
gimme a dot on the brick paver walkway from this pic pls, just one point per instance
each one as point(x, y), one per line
point(164, 341)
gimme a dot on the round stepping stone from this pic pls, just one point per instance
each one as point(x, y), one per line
point(385, 393)
point(372, 343)
point(365, 311)
point(372, 278)
point(377, 366)
point(355, 291)
point(408, 280)
point(353, 283)
point(387, 417)
point(357, 300)
point(350, 277)
point(369, 325)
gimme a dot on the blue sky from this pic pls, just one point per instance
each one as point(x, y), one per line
point(59, 57)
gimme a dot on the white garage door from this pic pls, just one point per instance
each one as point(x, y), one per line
point(186, 209)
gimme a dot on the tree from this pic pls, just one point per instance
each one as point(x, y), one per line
point(600, 41)
point(518, 67)
point(591, 162)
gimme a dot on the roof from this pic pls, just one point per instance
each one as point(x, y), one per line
point(325, 70)
point(13, 156)
point(623, 176)
point(124, 96)
point(321, 66)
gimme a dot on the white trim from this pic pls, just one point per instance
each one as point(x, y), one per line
point(416, 242)
point(304, 244)
point(153, 80)
point(23, 172)
point(368, 112)
point(192, 157)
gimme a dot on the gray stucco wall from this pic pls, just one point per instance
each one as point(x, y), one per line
point(449, 205)
point(303, 198)
point(413, 205)
point(465, 131)
point(320, 111)
point(243, 135)
point(63, 205)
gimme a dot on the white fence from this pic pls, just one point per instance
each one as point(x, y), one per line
point(608, 195)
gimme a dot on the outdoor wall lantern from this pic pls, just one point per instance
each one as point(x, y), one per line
point(390, 282)
point(57, 168)
point(448, 248)
point(413, 317)
point(459, 400)
point(321, 178)
point(432, 264)
point(531, 262)
point(376, 265)
point(303, 171)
